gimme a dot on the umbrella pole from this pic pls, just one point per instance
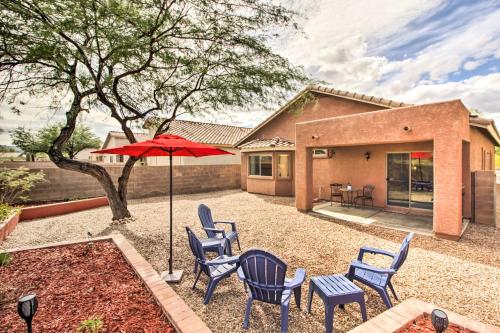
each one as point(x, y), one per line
point(170, 184)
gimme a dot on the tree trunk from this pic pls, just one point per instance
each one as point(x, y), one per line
point(117, 203)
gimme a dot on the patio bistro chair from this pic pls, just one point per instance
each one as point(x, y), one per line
point(366, 194)
point(335, 193)
point(216, 269)
point(205, 215)
point(379, 278)
point(264, 277)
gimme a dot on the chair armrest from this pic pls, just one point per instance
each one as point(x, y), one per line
point(240, 273)
point(233, 224)
point(219, 231)
point(298, 279)
point(223, 260)
point(360, 265)
point(372, 250)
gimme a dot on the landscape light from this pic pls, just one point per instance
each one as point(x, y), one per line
point(26, 307)
point(439, 320)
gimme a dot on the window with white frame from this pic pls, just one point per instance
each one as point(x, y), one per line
point(260, 165)
point(283, 168)
point(320, 153)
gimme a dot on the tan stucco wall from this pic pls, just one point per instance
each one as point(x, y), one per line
point(350, 165)
point(446, 124)
point(481, 142)
point(324, 107)
point(267, 185)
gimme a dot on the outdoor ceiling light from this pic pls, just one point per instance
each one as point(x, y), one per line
point(439, 320)
point(367, 155)
point(26, 307)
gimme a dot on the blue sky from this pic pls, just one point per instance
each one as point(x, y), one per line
point(415, 51)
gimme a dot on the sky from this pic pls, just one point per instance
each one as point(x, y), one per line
point(414, 51)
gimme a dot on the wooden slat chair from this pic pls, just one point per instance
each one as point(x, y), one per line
point(216, 269)
point(264, 275)
point(379, 278)
point(209, 225)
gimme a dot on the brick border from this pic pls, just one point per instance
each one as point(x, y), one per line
point(400, 315)
point(8, 226)
point(60, 208)
point(179, 314)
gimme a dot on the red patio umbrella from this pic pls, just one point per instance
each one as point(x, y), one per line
point(166, 145)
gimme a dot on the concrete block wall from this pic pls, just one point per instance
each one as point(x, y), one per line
point(145, 181)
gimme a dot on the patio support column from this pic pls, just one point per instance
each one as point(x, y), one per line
point(303, 179)
point(447, 221)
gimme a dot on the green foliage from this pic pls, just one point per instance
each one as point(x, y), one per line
point(6, 211)
point(5, 149)
point(25, 140)
point(82, 138)
point(40, 142)
point(5, 258)
point(16, 183)
point(91, 325)
point(298, 105)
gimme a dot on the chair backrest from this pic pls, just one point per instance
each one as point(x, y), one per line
point(368, 190)
point(335, 187)
point(205, 215)
point(264, 275)
point(400, 257)
point(197, 250)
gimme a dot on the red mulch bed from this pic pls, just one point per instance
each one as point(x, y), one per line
point(424, 324)
point(74, 283)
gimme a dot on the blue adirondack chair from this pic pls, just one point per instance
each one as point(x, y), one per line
point(379, 278)
point(209, 225)
point(264, 275)
point(216, 269)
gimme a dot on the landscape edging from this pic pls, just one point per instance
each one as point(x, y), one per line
point(8, 226)
point(179, 314)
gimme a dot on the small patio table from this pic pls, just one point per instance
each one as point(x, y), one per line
point(335, 290)
point(350, 196)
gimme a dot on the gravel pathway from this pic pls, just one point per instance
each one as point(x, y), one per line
point(461, 276)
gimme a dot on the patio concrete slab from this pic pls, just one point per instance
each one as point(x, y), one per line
point(375, 216)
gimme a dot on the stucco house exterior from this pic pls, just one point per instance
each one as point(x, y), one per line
point(420, 158)
point(220, 136)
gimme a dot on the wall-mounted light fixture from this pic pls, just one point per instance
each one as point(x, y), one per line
point(315, 137)
point(367, 155)
point(331, 153)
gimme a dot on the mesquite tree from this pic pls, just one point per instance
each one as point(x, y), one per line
point(140, 59)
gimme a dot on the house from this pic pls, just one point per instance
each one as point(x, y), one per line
point(115, 139)
point(217, 135)
point(220, 136)
point(420, 158)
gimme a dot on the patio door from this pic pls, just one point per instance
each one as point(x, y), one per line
point(410, 180)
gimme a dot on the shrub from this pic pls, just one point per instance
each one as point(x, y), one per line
point(6, 211)
point(5, 258)
point(15, 183)
point(91, 325)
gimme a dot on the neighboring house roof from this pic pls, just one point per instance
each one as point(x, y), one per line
point(121, 135)
point(275, 143)
point(215, 134)
point(383, 102)
point(488, 125)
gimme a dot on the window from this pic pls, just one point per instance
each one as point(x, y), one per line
point(260, 165)
point(120, 159)
point(320, 153)
point(283, 165)
point(111, 159)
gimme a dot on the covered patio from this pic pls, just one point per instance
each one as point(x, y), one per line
point(392, 150)
point(379, 217)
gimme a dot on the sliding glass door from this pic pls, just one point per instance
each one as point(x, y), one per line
point(410, 179)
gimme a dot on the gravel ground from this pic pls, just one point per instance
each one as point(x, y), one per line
point(461, 276)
